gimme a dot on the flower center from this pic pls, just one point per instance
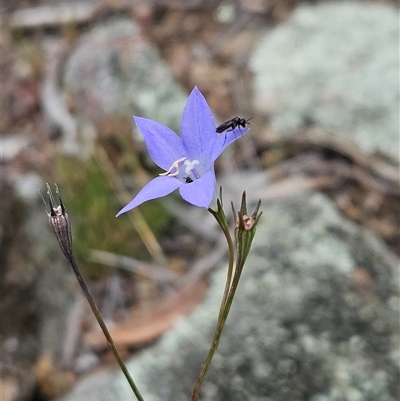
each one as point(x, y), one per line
point(190, 167)
point(190, 170)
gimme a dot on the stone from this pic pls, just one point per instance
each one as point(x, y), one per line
point(315, 317)
point(114, 71)
point(34, 283)
point(335, 65)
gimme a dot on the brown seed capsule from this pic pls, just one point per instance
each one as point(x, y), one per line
point(59, 221)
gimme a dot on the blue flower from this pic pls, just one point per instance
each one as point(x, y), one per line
point(188, 161)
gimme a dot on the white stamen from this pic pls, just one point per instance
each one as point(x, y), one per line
point(190, 165)
point(175, 165)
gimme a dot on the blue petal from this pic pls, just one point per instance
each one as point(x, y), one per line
point(156, 188)
point(198, 128)
point(225, 139)
point(200, 192)
point(164, 146)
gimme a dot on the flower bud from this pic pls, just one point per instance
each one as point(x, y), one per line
point(245, 228)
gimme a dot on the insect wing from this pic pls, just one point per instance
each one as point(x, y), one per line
point(226, 125)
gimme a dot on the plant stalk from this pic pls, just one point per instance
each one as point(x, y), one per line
point(103, 326)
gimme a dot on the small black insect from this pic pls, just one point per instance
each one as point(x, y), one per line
point(188, 180)
point(232, 124)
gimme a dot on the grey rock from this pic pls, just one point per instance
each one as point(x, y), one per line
point(334, 64)
point(34, 286)
point(27, 186)
point(12, 145)
point(115, 71)
point(302, 327)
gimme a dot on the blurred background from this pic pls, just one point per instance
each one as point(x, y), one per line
point(320, 80)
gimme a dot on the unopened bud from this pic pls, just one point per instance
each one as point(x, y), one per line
point(248, 222)
point(245, 227)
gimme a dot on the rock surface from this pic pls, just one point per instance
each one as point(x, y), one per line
point(315, 318)
point(35, 295)
point(333, 64)
point(115, 71)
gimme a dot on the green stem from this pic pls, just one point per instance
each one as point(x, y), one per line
point(103, 326)
point(221, 219)
point(224, 225)
point(232, 291)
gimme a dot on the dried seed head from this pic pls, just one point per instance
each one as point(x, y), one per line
point(59, 221)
